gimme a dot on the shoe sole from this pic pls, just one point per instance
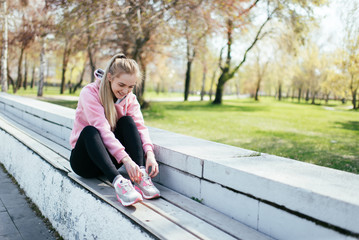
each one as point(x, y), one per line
point(144, 196)
point(126, 204)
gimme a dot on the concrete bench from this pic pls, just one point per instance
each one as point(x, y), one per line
point(243, 194)
point(34, 145)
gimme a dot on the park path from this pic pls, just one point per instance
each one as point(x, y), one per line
point(18, 220)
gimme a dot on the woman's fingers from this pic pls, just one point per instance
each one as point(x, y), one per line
point(154, 170)
point(132, 169)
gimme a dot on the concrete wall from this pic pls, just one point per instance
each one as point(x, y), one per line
point(283, 198)
point(61, 200)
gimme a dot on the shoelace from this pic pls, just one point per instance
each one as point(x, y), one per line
point(147, 179)
point(126, 185)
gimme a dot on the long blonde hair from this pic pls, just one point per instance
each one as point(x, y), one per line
point(118, 65)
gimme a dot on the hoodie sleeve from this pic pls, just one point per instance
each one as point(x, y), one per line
point(134, 110)
point(94, 113)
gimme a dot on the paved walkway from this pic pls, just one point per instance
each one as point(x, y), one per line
point(17, 220)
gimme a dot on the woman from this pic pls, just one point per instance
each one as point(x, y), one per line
point(109, 131)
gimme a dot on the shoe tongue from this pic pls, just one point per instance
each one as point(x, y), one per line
point(144, 173)
point(124, 181)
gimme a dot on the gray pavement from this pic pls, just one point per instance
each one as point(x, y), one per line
point(17, 220)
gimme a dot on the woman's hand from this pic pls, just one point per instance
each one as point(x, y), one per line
point(151, 162)
point(132, 169)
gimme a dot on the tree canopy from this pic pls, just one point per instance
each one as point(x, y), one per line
point(243, 46)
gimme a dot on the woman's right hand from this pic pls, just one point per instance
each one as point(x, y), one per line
point(132, 169)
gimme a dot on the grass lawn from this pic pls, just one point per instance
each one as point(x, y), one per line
point(47, 91)
point(323, 135)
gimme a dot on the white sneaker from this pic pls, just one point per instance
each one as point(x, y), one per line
point(146, 187)
point(125, 192)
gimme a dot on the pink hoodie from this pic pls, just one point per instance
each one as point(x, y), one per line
point(90, 111)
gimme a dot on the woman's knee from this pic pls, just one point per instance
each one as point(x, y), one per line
point(126, 120)
point(90, 130)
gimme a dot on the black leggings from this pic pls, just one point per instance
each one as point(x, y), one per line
point(90, 158)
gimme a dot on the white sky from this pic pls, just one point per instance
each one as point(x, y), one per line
point(330, 34)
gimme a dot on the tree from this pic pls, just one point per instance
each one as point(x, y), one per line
point(80, 34)
point(260, 69)
point(45, 29)
point(239, 16)
point(350, 57)
point(69, 29)
point(42, 67)
point(193, 21)
point(136, 23)
point(4, 52)
point(227, 72)
point(311, 70)
point(25, 36)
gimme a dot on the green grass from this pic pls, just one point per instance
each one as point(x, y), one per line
point(305, 132)
point(325, 135)
point(47, 91)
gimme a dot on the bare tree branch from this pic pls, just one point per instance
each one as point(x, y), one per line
point(257, 37)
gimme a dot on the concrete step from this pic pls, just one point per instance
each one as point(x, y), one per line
point(173, 216)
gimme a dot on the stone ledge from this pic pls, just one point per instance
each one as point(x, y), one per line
point(249, 182)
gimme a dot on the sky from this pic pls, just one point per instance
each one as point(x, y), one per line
point(331, 31)
point(328, 36)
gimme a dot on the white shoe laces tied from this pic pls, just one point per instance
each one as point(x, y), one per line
point(126, 184)
point(147, 179)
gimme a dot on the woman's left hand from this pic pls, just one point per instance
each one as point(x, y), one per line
point(151, 162)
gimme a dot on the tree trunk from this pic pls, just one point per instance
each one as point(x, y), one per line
point(203, 81)
point(25, 73)
point(313, 97)
point(307, 95)
point(32, 77)
point(327, 98)
point(299, 94)
point(256, 97)
point(10, 79)
point(143, 84)
point(19, 72)
point(212, 83)
point(287, 94)
point(225, 75)
point(293, 92)
point(89, 52)
point(187, 80)
point(4, 55)
point(77, 85)
point(69, 83)
point(354, 100)
point(139, 90)
point(42, 69)
point(65, 60)
point(92, 64)
point(280, 91)
point(256, 94)
point(220, 87)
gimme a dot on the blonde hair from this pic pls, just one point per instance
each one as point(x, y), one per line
point(118, 65)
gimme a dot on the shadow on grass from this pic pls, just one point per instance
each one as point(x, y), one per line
point(205, 106)
point(159, 111)
point(349, 125)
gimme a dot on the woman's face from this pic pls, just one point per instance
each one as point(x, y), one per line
point(122, 85)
